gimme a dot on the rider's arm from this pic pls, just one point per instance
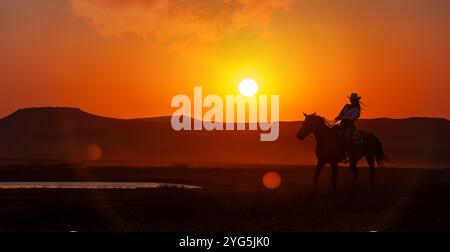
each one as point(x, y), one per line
point(342, 113)
point(354, 115)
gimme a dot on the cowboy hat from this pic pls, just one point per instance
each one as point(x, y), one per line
point(354, 96)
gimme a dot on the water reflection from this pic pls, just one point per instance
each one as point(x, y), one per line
point(93, 185)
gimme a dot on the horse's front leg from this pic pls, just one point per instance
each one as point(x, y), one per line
point(334, 176)
point(319, 169)
point(354, 170)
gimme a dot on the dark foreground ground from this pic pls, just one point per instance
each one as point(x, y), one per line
point(232, 199)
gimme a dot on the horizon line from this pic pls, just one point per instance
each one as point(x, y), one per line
point(169, 116)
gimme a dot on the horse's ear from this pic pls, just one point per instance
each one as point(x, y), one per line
point(305, 114)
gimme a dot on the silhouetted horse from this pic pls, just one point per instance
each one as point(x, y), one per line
point(330, 148)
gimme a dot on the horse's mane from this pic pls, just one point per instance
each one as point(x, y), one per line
point(321, 120)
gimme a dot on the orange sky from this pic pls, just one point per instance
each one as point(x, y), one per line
point(128, 59)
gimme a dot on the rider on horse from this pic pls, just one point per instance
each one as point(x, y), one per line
point(348, 116)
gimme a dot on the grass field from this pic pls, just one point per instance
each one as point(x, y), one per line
point(232, 199)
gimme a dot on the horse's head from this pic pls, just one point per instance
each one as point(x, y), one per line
point(310, 125)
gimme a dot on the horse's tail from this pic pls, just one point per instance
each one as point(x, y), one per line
point(380, 157)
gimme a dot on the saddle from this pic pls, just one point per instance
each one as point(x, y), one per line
point(357, 140)
point(357, 137)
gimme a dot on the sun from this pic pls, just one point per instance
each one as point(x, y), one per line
point(248, 87)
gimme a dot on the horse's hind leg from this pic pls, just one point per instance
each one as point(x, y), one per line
point(371, 163)
point(334, 176)
point(354, 170)
point(319, 169)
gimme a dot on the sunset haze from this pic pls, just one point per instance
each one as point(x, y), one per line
point(127, 59)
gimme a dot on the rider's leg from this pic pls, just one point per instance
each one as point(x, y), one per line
point(349, 130)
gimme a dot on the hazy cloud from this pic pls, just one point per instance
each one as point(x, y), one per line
point(169, 21)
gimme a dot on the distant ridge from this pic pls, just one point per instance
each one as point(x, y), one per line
point(77, 112)
point(58, 133)
point(51, 111)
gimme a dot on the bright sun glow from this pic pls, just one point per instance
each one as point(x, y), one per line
point(248, 87)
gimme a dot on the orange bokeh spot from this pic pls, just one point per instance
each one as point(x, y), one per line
point(272, 180)
point(93, 152)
